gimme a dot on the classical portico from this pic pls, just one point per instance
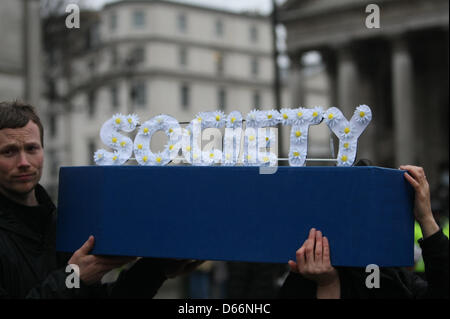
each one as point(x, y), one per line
point(399, 69)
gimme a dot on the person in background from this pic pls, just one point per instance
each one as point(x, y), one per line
point(313, 276)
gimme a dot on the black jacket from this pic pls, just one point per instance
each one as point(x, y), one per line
point(395, 282)
point(30, 267)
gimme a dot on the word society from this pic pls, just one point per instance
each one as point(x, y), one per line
point(252, 146)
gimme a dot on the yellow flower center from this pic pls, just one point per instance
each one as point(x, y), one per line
point(330, 116)
point(130, 120)
point(315, 114)
point(347, 130)
point(267, 139)
point(195, 156)
point(199, 119)
point(217, 118)
point(249, 157)
point(171, 147)
point(299, 114)
point(114, 158)
point(265, 159)
point(146, 130)
point(346, 145)
point(159, 159)
point(362, 114)
point(139, 146)
point(123, 143)
point(285, 116)
point(233, 119)
point(118, 120)
point(188, 148)
point(298, 133)
point(296, 153)
point(170, 130)
point(228, 156)
point(99, 156)
point(114, 140)
point(269, 116)
point(344, 158)
point(145, 159)
point(211, 155)
point(251, 138)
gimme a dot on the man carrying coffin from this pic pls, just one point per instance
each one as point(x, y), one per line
point(30, 267)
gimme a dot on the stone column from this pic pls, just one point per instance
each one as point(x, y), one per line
point(402, 93)
point(32, 52)
point(296, 85)
point(347, 81)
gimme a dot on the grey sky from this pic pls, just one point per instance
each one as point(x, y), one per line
point(260, 6)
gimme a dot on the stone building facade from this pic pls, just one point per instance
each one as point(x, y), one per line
point(400, 69)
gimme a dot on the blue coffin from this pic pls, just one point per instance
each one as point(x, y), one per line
point(237, 214)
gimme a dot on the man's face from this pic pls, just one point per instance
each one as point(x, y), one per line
point(21, 159)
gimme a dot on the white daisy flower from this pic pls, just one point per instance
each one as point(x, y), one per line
point(268, 118)
point(252, 118)
point(131, 121)
point(344, 160)
point(116, 158)
point(267, 159)
point(118, 120)
point(300, 115)
point(363, 114)
point(159, 159)
point(287, 116)
point(298, 135)
point(296, 157)
point(234, 119)
point(347, 132)
point(101, 157)
point(347, 146)
point(251, 159)
point(332, 116)
point(212, 156)
point(114, 140)
point(316, 114)
point(216, 119)
point(268, 138)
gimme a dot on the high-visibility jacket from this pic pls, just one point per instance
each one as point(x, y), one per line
point(420, 265)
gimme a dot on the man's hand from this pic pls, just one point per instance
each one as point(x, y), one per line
point(313, 262)
point(422, 203)
point(92, 267)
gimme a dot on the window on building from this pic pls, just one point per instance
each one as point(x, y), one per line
point(114, 57)
point(182, 56)
point(254, 66)
point(254, 33)
point(91, 103)
point(138, 54)
point(219, 62)
point(138, 18)
point(114, 97)
point(113, 21)
point(219, 28)
point(139, 94)
point(256, 100)
point(182, 22)
point(185, 92)
point(222, 98)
